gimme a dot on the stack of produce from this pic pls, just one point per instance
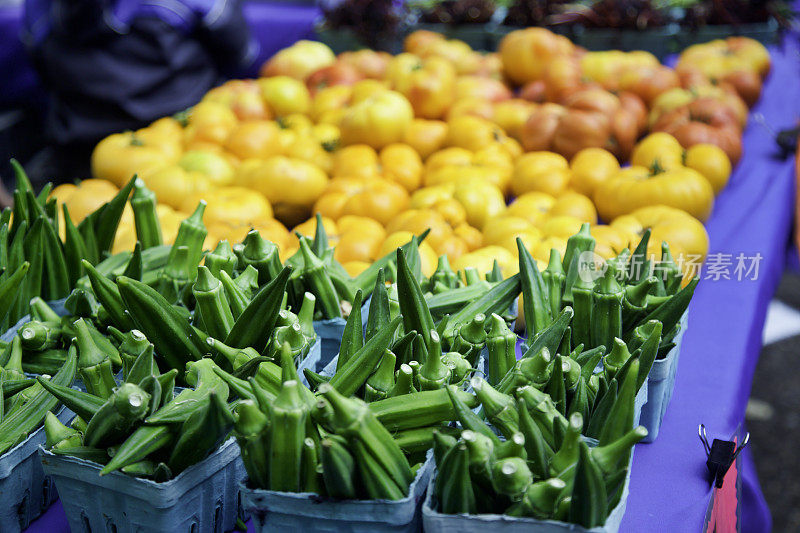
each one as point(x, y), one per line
point(442, 137)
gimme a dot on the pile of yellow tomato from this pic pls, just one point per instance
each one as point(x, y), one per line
point(479, 148)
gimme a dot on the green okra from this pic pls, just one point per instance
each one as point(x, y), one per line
point(57, 435)
point(288, 421)
point(460, 368)
point(639, 265)
point(201, 434)
point(128, 405)
point(562, 463)
point(221, 258)
point(145, 218)
point(606, 314)
point(404, 382)
point(551, 337)
point(444, 275)
point(174, 338)
point(133, 344)
point(382, 380)
point(354, 374)
point(319, 282)
point(139, 445)
point(419, 409)
point(540, 499)
point(536, 448)
point(12, 386)
point(588, 505)
point(375, 482)
point(134, 268)
point(498, 408)
point(262, 255)
point(453, 486)
point(553, 278)
point(471, 338)
point(338, 469)
point(262, 312)
point(191, 234)
point(211, 304)
point(94, 365)
point(501, 345)
point(556, 387)
point(108, 294)
point(105, 220)
point(433, 374)
point(21, 421)
point(39, 336)
point(144, 366)
point(414, 309)
point(535, 299)
point(354, 420)
point(620, 416)
point(251, 428)
point(496, 300)
point(83, 404)
point(352, 336)
point(74, 249)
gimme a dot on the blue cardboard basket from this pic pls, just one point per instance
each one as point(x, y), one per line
point(25, 491)
point(330, 334)
point(661, 383)
point(202, 499)
point(276, 512)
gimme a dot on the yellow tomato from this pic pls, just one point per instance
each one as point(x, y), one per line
point(356, 160)
point(173, 184)
point(674, 226)
point(483, 260)
point(481, 200)
point(472, 237)
point(285, 95)
point(401, 164)
point(430, 196)
point(532, 206)
point(590, 167)
point(235, 206)
point(544, 248)
point(562, 226)
point(575, 205)
point(452, 211)
point(255, 138)
point(540, 171)
point(213, 166)
point(495, 231)
point(428, 84)
point(361, 225)
point(377, 198)
point(712, 162)
point(327, 135)
point(635, 187)
point(530, 238)
point(425, 136)
point(365, 89)
point(299, 60)
point(329, 100)
point(511, 115)
point(379, 120)
point(610, 241)
point(309, 227)
point(291, 185)
point(121, 155)
point(658, 148)
point(472, 133)
point(309, 149)
point(353, 246)
point(211, 122)
point(453, 156)
point(393, 241)
point(419, 220)
point(296, 122)
point(170, 221)
point(453, 247)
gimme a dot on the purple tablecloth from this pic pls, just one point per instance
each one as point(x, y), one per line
point(669, 491)
point(275, 25)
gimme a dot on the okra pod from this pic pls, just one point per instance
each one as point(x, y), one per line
point(588, 505)
point(141, 443)
point(620, 417)
point(288, 421)
point(128, 405)
point(382, 380)
point(414, 309)
point(262, 312)
point(453, 486)
point(375, 480)
point(535, 299)
point(83, 404)
point(352, 336)
point(145, 218)
point(108, 294)
point(252, 433)
point(501, 345)
point(433, 374)
point(213, 307)
point(338, 469)
point(201, 434)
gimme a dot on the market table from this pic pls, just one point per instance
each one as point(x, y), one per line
point(669, 490)
point(275, 26)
